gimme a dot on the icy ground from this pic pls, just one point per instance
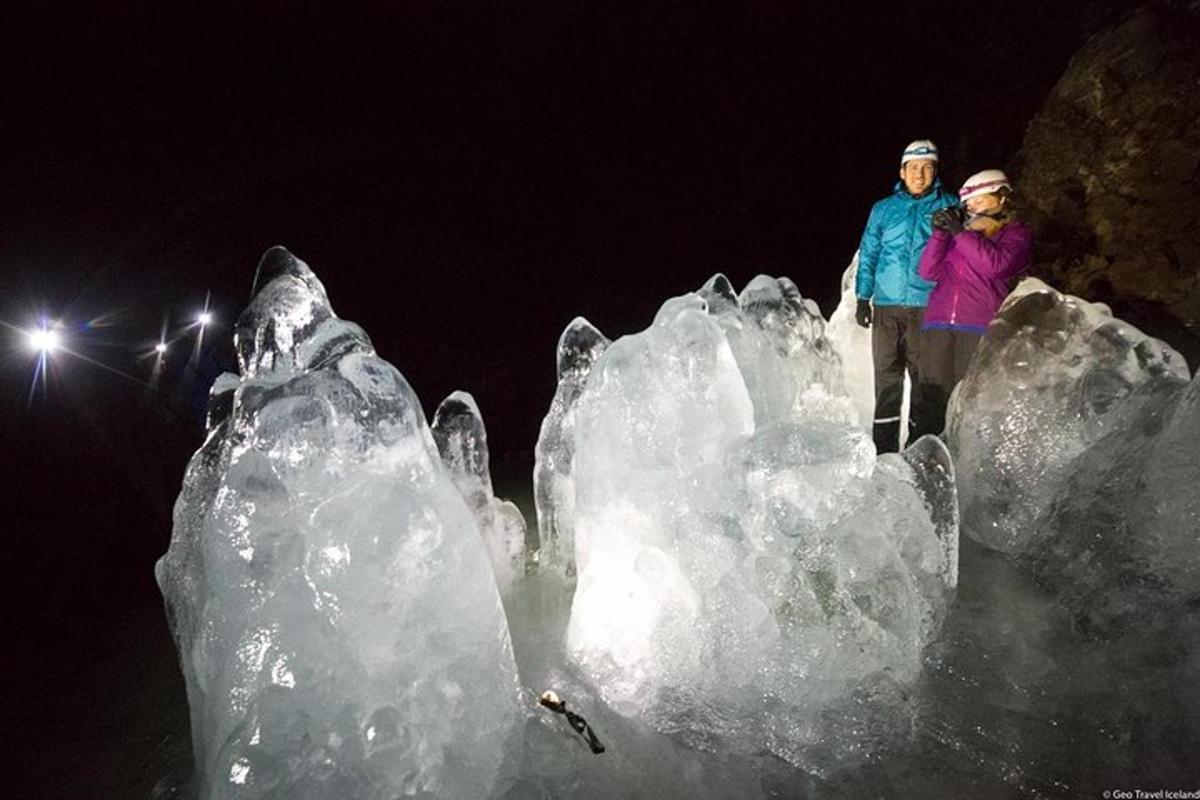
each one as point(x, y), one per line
point(835, 640)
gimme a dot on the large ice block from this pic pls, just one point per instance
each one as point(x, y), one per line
point(1052, 376)
point(745, 563)
point(1075, 438)
point(338, 624)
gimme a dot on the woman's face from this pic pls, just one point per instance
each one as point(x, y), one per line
point(984, 203)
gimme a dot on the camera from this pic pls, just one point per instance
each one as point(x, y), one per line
point(950, 218)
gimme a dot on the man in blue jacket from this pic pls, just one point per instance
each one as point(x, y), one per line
point(891, 246)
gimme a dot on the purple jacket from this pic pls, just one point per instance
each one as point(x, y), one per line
point(973, 274)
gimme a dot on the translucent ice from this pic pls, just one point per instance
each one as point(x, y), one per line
point(338, 625)
point(1052, 376)
point(853, 344)
point(755, 590)
point(553, 487)
point(771, 325)
point(745, 563)
point(462, 442)
point(1075, 435)
point(1119, 541)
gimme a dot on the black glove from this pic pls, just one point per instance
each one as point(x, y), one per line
point(862, 313)
point(949, 219)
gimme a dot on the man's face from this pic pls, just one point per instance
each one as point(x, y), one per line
point(918, 175)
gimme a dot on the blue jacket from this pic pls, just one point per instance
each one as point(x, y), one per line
point(897, 229)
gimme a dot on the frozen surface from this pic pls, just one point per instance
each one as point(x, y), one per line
point(338, 625)
point(462, 442)
point(750, 577)
point(1012, 702)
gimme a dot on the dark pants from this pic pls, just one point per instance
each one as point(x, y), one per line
point(896, 343)
point(945, 356)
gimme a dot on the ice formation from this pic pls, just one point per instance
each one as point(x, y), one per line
point(1049, 379)
point(853, 345)
point(1073, 434)
point(337, 621)
point(1119, 541)
point(553, 487)
point(755, 589)
point(745, 563)
point(462, 442)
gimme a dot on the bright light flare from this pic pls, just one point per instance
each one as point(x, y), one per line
point(160, 348)
point(204, 318)
point(44, 340)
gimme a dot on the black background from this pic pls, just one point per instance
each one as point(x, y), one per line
point(464, 178)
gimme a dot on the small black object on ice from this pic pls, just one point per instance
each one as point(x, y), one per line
point(551, 701)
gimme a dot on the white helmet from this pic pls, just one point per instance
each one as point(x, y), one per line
point(920, 149)
point(986, 182)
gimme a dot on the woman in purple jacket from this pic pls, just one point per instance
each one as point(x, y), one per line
point(974, 258)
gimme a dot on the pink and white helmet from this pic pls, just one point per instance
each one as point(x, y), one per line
point(986, 182)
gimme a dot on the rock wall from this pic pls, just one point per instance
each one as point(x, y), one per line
point(1109, 173)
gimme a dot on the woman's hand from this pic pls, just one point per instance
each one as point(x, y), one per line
point(949, 219)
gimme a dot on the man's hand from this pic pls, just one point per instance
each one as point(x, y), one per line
point(948, 219)
point(862, 313)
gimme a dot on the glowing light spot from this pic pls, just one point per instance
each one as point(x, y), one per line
point(43, 340)
point(204, 318)
point(239, 771)
point(282, 676)
point(337, 555)
point(160, 348)
point(252, 651)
